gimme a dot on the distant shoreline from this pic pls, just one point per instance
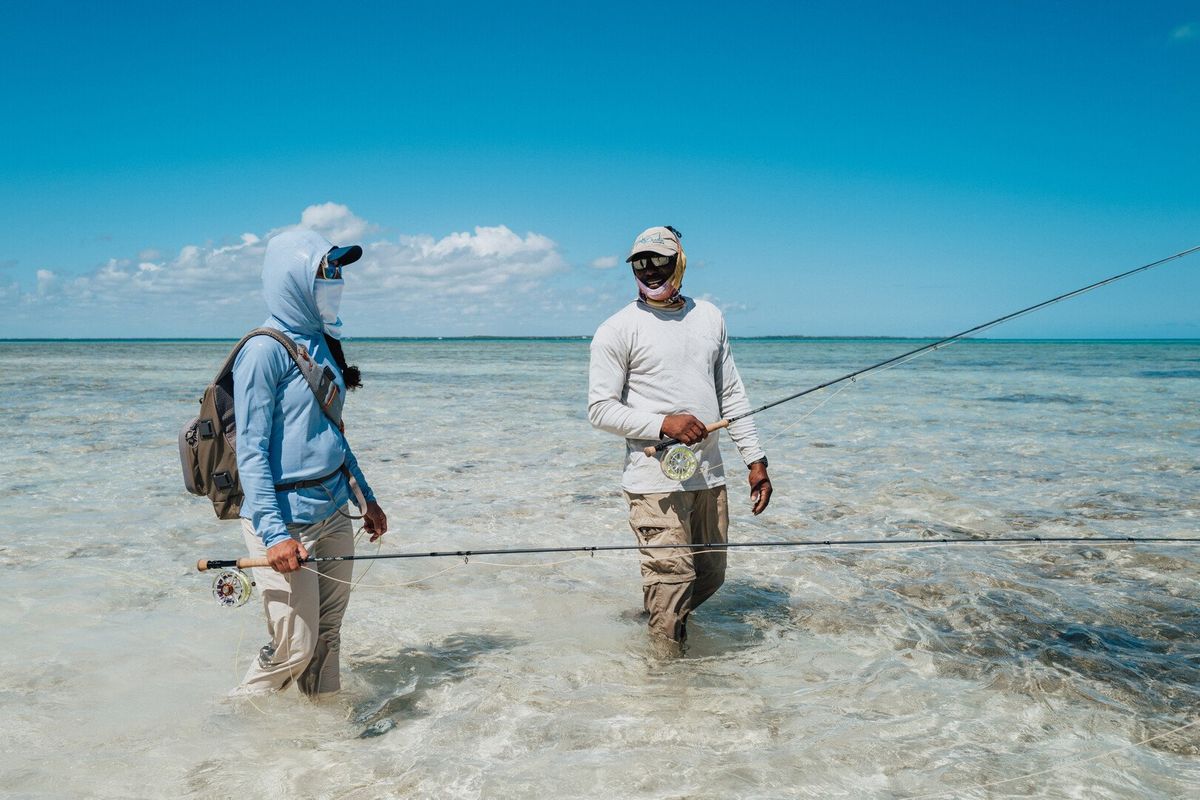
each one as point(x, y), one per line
point(417, 339)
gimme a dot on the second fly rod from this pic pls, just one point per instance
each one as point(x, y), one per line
point(251, 562)
point(679, 464)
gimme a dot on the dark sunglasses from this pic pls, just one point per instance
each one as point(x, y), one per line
point(652, 261)
point(330, 272)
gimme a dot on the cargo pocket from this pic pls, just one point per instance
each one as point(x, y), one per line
point(655, 520)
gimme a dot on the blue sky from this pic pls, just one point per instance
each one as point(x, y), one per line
point(836, 168)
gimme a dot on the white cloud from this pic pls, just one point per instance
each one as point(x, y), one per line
point(47, 281)
point(467, 263)
point(726, 307)
point(335, 222)
point(400, 284)
point(605, 262)
point(1185, 32)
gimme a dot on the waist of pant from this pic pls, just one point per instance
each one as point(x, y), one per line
point(309, 483)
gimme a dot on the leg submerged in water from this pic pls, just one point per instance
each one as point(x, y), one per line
point(304, 611)
point(322, 676)
point(677, 581)
point(292, 609)
point(709, 528)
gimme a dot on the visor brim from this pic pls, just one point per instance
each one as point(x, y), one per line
point(341, 256)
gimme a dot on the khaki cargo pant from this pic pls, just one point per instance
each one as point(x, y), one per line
point(677, 581)
point(304, 612)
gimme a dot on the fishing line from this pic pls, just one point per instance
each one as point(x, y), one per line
point(357, 536)
point(851, 383)
point(705, 469)
point(237, 653)
point(809, 413)
point(458, 566)
point(356, 584)
point(237, 673)
point(676, 460)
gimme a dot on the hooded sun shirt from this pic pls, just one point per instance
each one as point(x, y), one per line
point(282, 434)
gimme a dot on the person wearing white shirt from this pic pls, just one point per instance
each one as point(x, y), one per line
point(660, 366)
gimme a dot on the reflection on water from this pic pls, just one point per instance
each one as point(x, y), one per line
point(840, 672)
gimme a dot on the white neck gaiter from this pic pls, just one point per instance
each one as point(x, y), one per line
point(328, 296)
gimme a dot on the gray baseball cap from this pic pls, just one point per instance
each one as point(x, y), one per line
point(655, 240)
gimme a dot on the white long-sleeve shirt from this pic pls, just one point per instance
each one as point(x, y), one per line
point(647, 363)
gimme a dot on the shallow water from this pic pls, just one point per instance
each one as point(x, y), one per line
point(840, 672)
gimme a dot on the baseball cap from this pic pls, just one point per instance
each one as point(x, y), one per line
point(658, 239)
point(341, 256)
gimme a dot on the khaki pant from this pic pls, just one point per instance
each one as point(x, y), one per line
point(304, 612)
point(677, 581)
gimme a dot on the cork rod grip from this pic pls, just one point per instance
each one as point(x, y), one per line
point(663, 445)
point(205, 564)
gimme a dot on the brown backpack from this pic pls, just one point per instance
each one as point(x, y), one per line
point(208, 444)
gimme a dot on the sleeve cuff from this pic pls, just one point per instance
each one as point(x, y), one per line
point(654, 429)
point(753, 456)
point(272, 539)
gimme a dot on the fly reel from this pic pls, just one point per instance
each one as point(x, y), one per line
point(232, 587)
point(680, 462)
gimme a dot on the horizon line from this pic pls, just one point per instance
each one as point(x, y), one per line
point(568, 337)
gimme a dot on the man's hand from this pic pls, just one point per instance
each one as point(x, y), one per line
point(374, 520)
point(684, 427)
point(286, 556)
point(760, 487)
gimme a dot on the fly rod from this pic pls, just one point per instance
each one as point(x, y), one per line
point(205, 564)
point(725, 423)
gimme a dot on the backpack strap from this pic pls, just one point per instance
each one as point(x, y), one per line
point(324, 388)
point(320, 379)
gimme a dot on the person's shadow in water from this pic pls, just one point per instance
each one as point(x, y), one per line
point(738, 616)
point(735, 618)
point(397, 681)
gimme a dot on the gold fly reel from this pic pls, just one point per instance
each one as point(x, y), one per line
point(680, 462)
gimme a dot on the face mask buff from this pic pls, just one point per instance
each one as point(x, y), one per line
point(328, 295)
point(667, 295)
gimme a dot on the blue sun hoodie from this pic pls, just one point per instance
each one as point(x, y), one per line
point(283, 436)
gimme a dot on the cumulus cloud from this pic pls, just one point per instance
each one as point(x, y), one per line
point(413, 269)
point(1185, 32)
point(727, 307)
point(335, 222)
point(442, 282)
point(605, 262)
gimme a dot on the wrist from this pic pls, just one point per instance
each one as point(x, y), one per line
point(762, 462)
point(276, 538)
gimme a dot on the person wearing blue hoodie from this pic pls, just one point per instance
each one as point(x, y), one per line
point(297, 470)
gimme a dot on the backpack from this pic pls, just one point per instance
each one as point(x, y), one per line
point(207, 444)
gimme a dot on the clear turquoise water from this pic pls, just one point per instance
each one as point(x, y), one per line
point(845, 672)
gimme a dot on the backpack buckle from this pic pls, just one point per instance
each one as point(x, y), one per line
point(222, 480)
point(206, 429)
